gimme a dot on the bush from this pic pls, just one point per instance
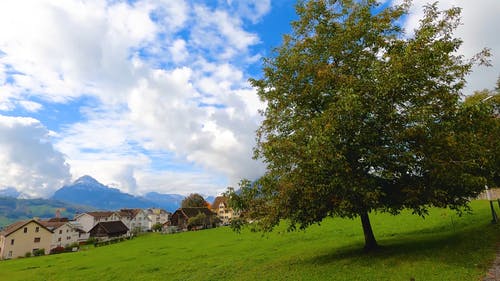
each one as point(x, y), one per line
point(157, 227)
point(27, 255)
point(57, 250)
point(91, 240)
point(39, 252)
point(69, 248)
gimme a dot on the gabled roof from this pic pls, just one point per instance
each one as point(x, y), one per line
point(156, 211)
point(218, 200)
point(97, 215)
point(52, 224)
point(18, 225)
point(111, 227)
point(129, 213)
point(192, 212)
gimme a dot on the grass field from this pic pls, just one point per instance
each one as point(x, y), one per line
point(440, 247)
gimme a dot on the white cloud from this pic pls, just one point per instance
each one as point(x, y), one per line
point(479, 27)
point(28, 161)
point(251, 9)
point(30, 105)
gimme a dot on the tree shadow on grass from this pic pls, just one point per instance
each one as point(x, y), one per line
point(461, 248)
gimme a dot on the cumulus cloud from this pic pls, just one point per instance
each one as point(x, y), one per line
point(28, 160)
point(480, 23)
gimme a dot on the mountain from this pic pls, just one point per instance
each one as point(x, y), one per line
point(169, 202)
point(88, 191)
point(9, 192)
point(12, 209)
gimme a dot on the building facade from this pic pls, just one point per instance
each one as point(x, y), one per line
point(23, 237)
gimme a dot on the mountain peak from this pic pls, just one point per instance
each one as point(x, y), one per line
point(87, 180)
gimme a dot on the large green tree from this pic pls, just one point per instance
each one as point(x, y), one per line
point(194, 200)
point(361, 116)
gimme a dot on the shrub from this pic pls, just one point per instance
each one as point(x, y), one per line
point(27, 255)
point(57, 250)
point(39, 252)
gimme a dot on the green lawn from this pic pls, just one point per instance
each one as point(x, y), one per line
point(439, 247)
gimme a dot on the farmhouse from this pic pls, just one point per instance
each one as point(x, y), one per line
point(24, 237)
point(180, 218)
point(109, 229)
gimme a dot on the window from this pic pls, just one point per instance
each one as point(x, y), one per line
point(68, 237)
point(59, 239)
point(10, 254)
point(37, 229)
point(67, 230)
point(60, 231)
point(25, 230)
point(37, 240)
point(12, 241)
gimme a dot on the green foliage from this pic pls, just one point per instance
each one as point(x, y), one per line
point(362, 117)
point(39, 252)
point(479, 134)
point(194, 200)
point(440, 247)
point(157, 227)
point(136, 231)
point(198, 220)
point(27, 254)
point(91, 240)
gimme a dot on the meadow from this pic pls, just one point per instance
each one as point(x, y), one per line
point(443, 246)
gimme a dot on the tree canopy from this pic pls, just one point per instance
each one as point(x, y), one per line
point(194, 200)
point(361, 116)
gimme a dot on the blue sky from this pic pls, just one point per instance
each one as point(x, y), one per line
point(151, 95)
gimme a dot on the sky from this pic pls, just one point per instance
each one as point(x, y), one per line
point(153, 95)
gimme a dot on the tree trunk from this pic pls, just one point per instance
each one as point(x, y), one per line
point(370, 242)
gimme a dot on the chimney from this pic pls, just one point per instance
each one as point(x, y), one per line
point(58, 213)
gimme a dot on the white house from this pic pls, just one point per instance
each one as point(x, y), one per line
point(157, 215)
point(64, 232)
point(135, 219)
point(90, 219)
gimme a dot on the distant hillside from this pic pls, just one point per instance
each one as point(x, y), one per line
point(12, 209)
point(88, 191)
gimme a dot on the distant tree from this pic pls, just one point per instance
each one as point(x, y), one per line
point(199, 220)
point(194, 200)
point(362, 117)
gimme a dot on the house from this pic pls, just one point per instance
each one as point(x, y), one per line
point(109, 229)
point(222, 209)
point(180, 218)
point(157, 215)
point(23, 237)
point(64, 232)
point(90, 219)
point(135, 219)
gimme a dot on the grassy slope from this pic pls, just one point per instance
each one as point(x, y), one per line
point(441, 247)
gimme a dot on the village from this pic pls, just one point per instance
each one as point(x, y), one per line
point(35, 237)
